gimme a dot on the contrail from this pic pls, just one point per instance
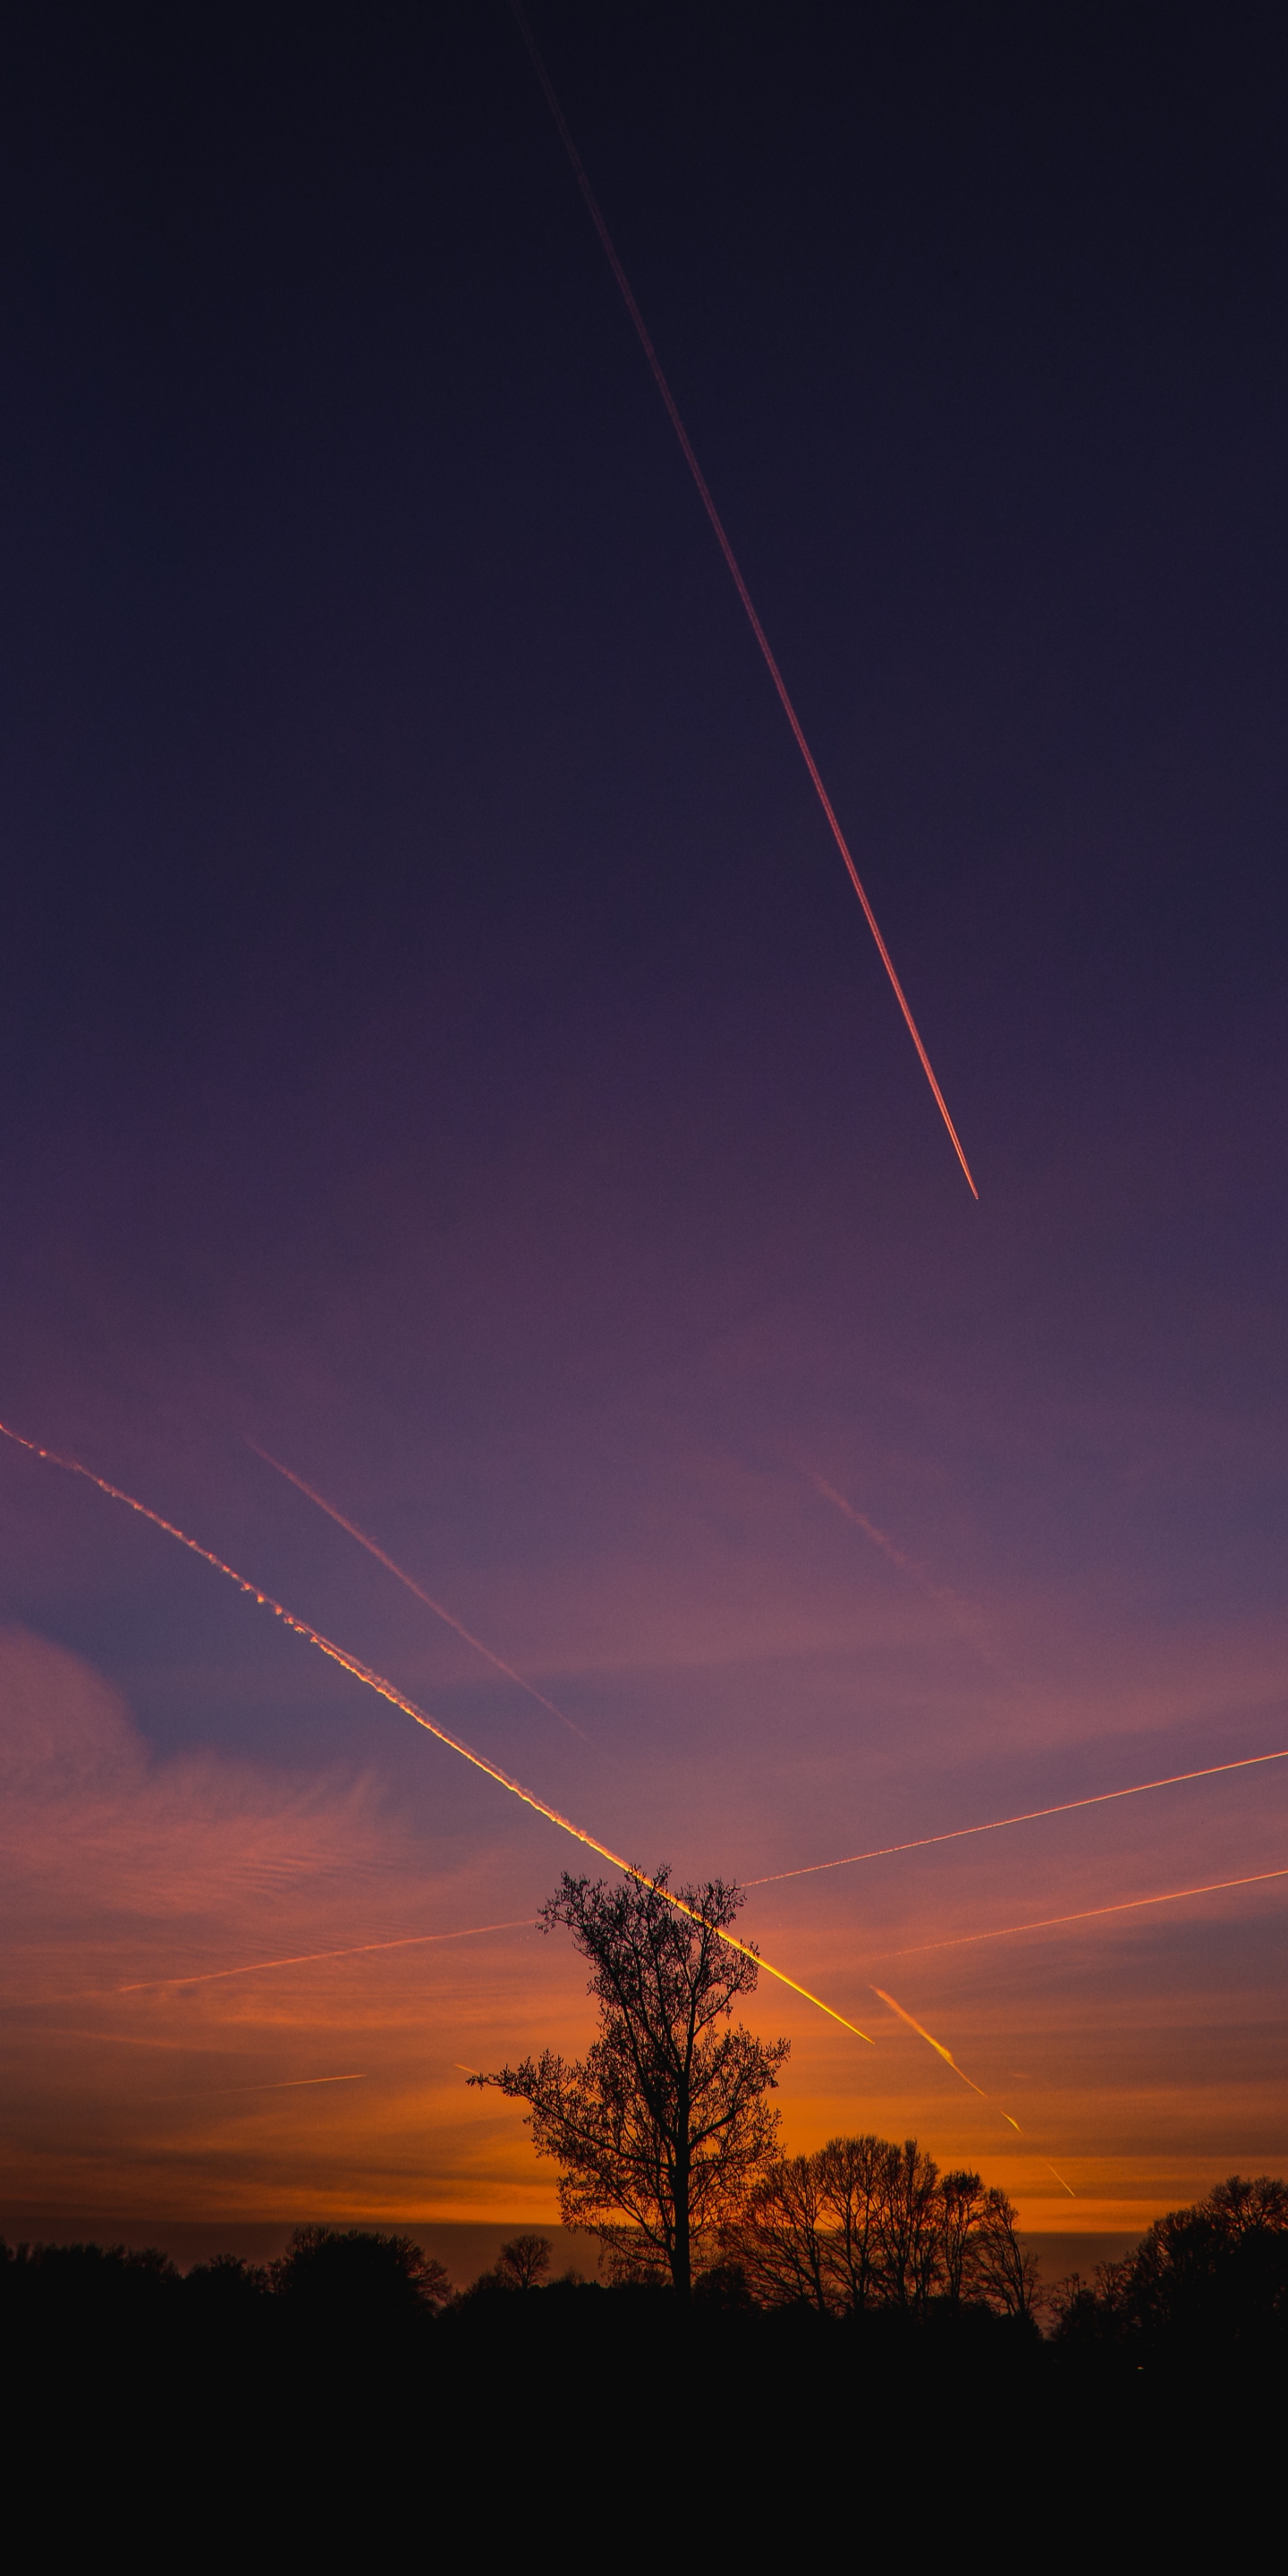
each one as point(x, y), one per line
point(1006, 1931)
point(302, 1958)
point(296, 2083)
point(217, 2092)
point(735, 572)
point(950, 2060)
point(1064, 2186)
point(386, 1690)
point(869, 1528)
point(1033, 1815)
point(946, 2054)
point(403, 1577)
point(964, 1612)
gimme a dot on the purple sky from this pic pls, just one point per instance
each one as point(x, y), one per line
point(441, 1047)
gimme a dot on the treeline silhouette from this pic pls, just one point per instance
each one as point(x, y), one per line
point(864, 2239)
point(867, 2349)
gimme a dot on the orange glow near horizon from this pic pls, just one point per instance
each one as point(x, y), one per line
point(259, 1904)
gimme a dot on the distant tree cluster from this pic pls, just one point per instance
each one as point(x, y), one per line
point(1212, 2277)
point(867, 2224)
point(363, 2275)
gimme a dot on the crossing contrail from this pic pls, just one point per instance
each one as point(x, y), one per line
point(447, 1616)
point(1032, 1815)
point(398, 1699)
point(735, 571)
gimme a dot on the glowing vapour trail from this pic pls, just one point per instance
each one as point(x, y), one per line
point(950, 2060)
point(1033, 1815)
point(398, 1699)
point(1130, 1905)
point(403, 1577)
point(303, 1958)
point(946, 2054)
point(1064, 2186)
point(298, 1959)
point(220, 2092)
point(735, 571)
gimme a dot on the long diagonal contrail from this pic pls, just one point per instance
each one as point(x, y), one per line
point(1031, 1816)
point(735, 571)
point(969, 2080)
point(387, 1690)
point(447, 1616)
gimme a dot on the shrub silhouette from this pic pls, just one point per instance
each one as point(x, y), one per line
point(359, 2276)
point(224, 2288)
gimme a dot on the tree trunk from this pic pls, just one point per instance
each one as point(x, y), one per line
point(681, 2250)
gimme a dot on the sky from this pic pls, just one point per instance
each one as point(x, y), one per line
point(441, 1049)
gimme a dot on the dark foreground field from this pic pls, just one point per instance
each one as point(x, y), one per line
point(221, 2413)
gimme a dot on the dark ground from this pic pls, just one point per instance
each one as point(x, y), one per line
point(574, 2418)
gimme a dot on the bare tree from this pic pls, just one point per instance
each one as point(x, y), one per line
point(664, 2127)
point(779, 2238)
point(1007, 2276)
point(962, 2201)
point(523, 2262)
point(853, 2175)
point(813, 2227)
point(908, 2214)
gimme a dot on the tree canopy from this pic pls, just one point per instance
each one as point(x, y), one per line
point(660, 2131)
point(863, 2223)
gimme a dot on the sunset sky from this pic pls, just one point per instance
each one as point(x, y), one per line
point(441, 1049)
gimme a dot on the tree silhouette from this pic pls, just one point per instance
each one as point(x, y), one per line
point(225, 2287)
point(662, 2128)
point(523, 2262)
point(908, 2223)
point(360, 2274)
point(961, 2202)
point(1002, 2271)
point(780, 2239)
point(864, 2223)
point(852, 2176)
point(1217, 2273)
